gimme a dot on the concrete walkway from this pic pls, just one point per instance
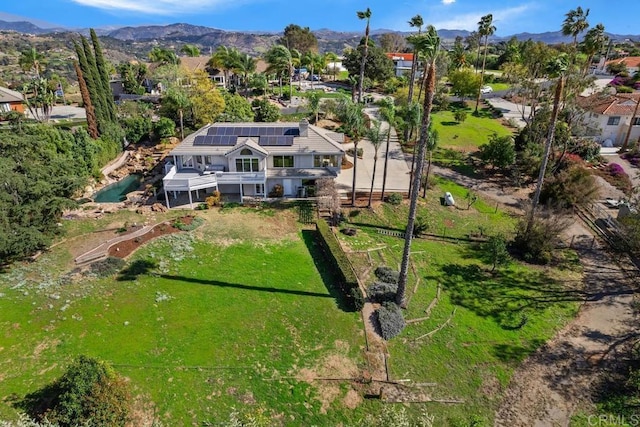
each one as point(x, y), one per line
point(102, 251)
point(397, 169)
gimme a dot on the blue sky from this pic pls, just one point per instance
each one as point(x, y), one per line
point(510, 16)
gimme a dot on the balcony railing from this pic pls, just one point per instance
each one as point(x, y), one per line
point(174, 180)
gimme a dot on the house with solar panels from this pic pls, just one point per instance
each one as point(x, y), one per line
point(251, 159)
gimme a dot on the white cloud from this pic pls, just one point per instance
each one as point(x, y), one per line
point(154, 7)
point(448, 1)
point(469, 21)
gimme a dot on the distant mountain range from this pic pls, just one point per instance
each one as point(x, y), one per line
point(257, 41)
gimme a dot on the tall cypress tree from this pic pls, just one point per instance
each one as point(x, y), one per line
point(91, 83)
point(103, 74)
point(92, 125)
point(95, 75)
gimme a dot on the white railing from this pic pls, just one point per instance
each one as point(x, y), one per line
point(240, 177)
point(211, 180)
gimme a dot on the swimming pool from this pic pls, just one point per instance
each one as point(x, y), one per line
point(117, 192)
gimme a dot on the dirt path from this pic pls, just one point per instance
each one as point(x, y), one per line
point(558, 379)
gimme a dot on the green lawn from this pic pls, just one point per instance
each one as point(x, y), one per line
point(467, 135)
point(202, 327)
point(499, 318)
point(499, 86)
point(240, 313)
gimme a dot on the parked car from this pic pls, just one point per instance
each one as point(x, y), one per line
point(486, 89)
point(314, 78)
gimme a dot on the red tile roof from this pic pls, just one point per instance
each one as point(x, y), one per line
point(629, 61)
point(397, 56)
point(621, 104)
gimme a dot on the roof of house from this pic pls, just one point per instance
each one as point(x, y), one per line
point(8, 95)
point(194, 63)
point(399, 56)
point(318, 140)
point(628, 61)
point(621, 104)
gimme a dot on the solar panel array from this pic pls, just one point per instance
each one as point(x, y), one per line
point(267, 135)
point(219, 140)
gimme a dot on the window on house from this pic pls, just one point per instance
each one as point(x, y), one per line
point(325, 161)
point(247, 165)
point(187, 161)
point(635, 121)
point(613, 121)
point(282, 161)
point(259, 189)
point(246, 152)
point(5, 107)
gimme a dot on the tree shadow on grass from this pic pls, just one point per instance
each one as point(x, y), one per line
point(507, 296)
point(328, 276)
point(244, 287)
point(136, 268)
point(37, 403)
point(515, 353)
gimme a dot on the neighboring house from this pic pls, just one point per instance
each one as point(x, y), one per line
point(10, 100)
point(251, 159)
point(609, 117)
point(191, 64)
point(631, 62)
point(401, 63)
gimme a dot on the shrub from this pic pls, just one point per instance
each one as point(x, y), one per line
point(346, 278)
point(460, 116)
point(387, 274)
point(536, 244)
point(107, 267)
point(277, 191)
point(585, 148)
point(195, 223)
point(569, 188)
point(382, 291)
point(390, 319)
point(421, 225)
point(394, 198)
point(214, 199)
point(164, 128)
point(89, 393)
point(615, 169)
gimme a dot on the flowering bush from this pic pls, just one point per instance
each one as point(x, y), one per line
point(615, 169)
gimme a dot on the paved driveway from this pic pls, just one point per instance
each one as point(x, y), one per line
point(398, 168)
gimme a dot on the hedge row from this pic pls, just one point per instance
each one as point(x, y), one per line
point(346, 279)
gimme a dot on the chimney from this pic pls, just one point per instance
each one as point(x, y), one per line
point(304, 127)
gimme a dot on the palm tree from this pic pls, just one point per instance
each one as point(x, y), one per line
point(432, 143)
point(458, 55)
point(366, 14)
point(225, 59)
point(556, 68)
point(280, 62)
point(413, 115)
point(331, 57)
point(416, 21)
point(592, 44)
point(388, 111)
point(29, 60)
point(190, 50)
point(430, 47)
point(575, 23)
point(180, 100)
point(375, 136)
point(246, 65)
point(163, 56)
point(313, 99)
point(353, 123)
point(485, 29)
